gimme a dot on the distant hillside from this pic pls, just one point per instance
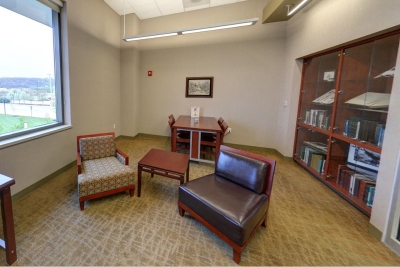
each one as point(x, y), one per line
point(32, 83)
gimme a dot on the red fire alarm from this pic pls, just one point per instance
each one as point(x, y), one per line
point(150, 73)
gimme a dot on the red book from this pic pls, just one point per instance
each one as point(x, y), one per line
point(339, 175)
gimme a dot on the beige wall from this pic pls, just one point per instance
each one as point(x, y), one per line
point(324, 24)
point(94, 94)
point(247, 78)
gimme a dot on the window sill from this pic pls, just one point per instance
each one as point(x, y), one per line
point(31, 136)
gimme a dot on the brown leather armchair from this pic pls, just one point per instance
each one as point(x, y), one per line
point(233, 201)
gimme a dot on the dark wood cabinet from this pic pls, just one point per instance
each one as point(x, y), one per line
point(342, 113)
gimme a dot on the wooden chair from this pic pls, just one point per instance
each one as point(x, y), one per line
point(208, 143)
point(102, 168)
point(182, 139)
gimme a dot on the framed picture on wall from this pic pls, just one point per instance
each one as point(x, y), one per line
point(199, 86)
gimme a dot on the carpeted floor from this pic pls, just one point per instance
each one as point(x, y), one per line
point(308, 224)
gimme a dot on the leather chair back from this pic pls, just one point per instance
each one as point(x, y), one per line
point(244, 171)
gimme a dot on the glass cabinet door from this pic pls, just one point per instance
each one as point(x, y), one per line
point(364, 90)
point(318, 90)
point(311, 149)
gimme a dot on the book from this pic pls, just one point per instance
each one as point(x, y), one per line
point(371, 194)
point(357, 180)
point(339, 175)
point(346, 179)
point(317, 145)
point(371, 100)
point(326, 98)
point(363, 186)
point(377, 132)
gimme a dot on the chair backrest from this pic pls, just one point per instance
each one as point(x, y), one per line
point(220, 120)
point(224, 126)
point(248, 170)
point(96, 146)
point(171, 121)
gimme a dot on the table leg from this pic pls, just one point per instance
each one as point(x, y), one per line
point(174, 132)
point(187, 173)
point(8, 226)
point(139, 180)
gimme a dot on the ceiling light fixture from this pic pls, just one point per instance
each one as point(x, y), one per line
point(296, 8)
point(228, 25)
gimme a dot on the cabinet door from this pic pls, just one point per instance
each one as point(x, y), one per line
point(318, 90)
point(311, 150)
point(364, 90)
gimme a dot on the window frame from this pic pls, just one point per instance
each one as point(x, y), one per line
point(58, 84)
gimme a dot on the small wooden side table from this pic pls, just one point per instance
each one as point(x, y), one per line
point(164, 163)
point(8, 221)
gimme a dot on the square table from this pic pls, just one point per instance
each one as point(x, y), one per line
point(165, 163)
point(196, 129)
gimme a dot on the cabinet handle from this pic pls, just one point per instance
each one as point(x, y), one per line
point(341, 92)
point(336, 128)
point(295, 154)
point(304, 91)
point(300, 118)
point(299, 128)
point(333, 141)
point(329, 176)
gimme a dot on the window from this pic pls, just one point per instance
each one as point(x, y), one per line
point(30, 69)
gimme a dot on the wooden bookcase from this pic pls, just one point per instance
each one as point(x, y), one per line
point(342, 113)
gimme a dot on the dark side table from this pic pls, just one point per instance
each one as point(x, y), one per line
point(8, 221)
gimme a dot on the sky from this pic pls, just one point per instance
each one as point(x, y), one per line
point(26, 47)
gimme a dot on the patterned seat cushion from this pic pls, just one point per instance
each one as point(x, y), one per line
point(104, 174)
point(97, 147)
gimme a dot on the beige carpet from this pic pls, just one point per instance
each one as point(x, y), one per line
point(308, 224)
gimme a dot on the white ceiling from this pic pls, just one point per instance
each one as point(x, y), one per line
point(146, 9)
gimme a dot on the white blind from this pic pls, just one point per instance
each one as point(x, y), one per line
point(53, 4)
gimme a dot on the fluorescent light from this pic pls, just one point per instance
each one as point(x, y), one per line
point(297, 7)
point(149, 36)
point(218, 28)
point(240, 23)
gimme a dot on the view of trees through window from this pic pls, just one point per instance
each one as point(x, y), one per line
point(27, 84)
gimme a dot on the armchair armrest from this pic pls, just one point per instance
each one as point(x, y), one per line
point(79, 163)
point(122, 157)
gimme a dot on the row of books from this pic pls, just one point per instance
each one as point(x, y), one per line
point(366, 130)
point(315, 159)
point(317, 118)
point(359, 185)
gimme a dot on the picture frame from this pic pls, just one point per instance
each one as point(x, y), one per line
point(199, 87)
point(329, 75)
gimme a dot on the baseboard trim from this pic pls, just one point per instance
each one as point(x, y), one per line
point(41, 182)
point(127, 137)
point(153, 135)
point(375, 232)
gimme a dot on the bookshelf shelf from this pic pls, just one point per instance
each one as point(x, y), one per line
point(343, 108)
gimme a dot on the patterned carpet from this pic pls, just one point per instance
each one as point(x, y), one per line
point(308, 224)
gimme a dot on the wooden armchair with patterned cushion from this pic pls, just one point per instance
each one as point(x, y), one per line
point(102, 168)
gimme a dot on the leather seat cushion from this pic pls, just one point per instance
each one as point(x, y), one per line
point(232, 209)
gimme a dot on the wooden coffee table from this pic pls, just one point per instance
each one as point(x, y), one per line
point(165, 163)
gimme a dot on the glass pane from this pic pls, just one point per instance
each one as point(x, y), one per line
point(318, 90)
point(311, 149)
point(27, 71)
point(365, 88)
